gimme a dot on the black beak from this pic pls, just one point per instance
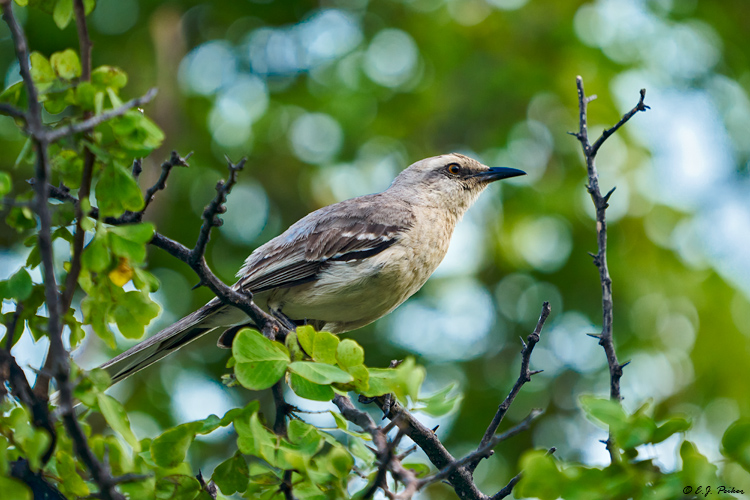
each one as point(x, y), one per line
point(497, 173)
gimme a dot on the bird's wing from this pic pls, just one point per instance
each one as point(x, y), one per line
point(350, 230)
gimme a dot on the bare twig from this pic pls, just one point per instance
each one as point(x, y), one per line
point(84, 41)
point(483, 451)
point(524, 377)
point(89, 124)
point(7, 109)
point(601, 202)
point(175, 160)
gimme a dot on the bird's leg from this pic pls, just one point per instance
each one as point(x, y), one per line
point(285, 320)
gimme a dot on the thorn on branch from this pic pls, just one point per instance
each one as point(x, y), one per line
point(597, 336)
point(608, 195)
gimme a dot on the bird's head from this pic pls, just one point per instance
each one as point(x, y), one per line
point(452, 181)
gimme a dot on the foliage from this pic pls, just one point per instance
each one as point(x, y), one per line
point(117, 284)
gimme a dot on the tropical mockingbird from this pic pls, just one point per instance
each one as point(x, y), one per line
point(344, 265)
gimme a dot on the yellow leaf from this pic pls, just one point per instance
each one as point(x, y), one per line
point(122, 273)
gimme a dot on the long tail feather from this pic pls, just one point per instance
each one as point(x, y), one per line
point(165, 342)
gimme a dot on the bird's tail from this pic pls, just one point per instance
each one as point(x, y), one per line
point(165, 342)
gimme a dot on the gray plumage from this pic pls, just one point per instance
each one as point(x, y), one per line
point(345, 265)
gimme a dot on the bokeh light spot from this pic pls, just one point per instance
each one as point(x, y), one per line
point(316, 137)
point(391, 59)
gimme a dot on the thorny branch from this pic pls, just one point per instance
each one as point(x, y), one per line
point(41, 386)
point(524, 377)
point(601, 203)
point(41, 137)
point(457, 472)
point(195, 257)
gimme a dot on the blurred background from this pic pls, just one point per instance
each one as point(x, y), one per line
point(331, 99)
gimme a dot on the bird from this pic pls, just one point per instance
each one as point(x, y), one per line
point(342, 266)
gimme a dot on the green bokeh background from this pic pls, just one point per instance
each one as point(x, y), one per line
point(330, 100)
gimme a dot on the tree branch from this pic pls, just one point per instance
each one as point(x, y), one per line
point(41, 137)
point(524, 377)
point(484, 451)
point(601, 203)
point(7, 109)
point(41, 386)
point(174, 160)
point(53, 135)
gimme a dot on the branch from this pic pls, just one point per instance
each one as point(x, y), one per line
point(175, 160)
point(601, 202)
point(56, 134)
point(389, 461)
point(215, 207)
point(483, 451)
point(61, 368)
point(7, 109)
point(524, 377)
point(460, 478)
point(41, 386)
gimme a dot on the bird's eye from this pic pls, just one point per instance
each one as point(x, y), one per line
point(454, 168)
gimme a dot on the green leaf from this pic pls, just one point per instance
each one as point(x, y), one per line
point(260, 363)
point(232, 475)
point(13, 489)
point(19, 286)
point(309, 390)
point(132, 312)
point(361, 377)
point(292, 344)
point(138, 233)
point(254, 439)
point(339, 462)
point(403, 381)
point(169, 449)
point(96, 256)
point(135, 132)
point(541, 477)
point(320, 373)
point(439, 404)
point(324, 347)
point(603, 411)
point(349, 353)
point(96, 313)
point(117, 191)
point(71, 482)
point(305, 437)
point(5, 183)
point(66, 64)
point(41, 69)
point(63, 13)
point(130, 241)
point(86, 96)
point(735, 443)
point(177, 487)
point(109, 76)
point(306, 338)
point(696, 469)
point(70, 165)
point(117, 418)
point(670, 427)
